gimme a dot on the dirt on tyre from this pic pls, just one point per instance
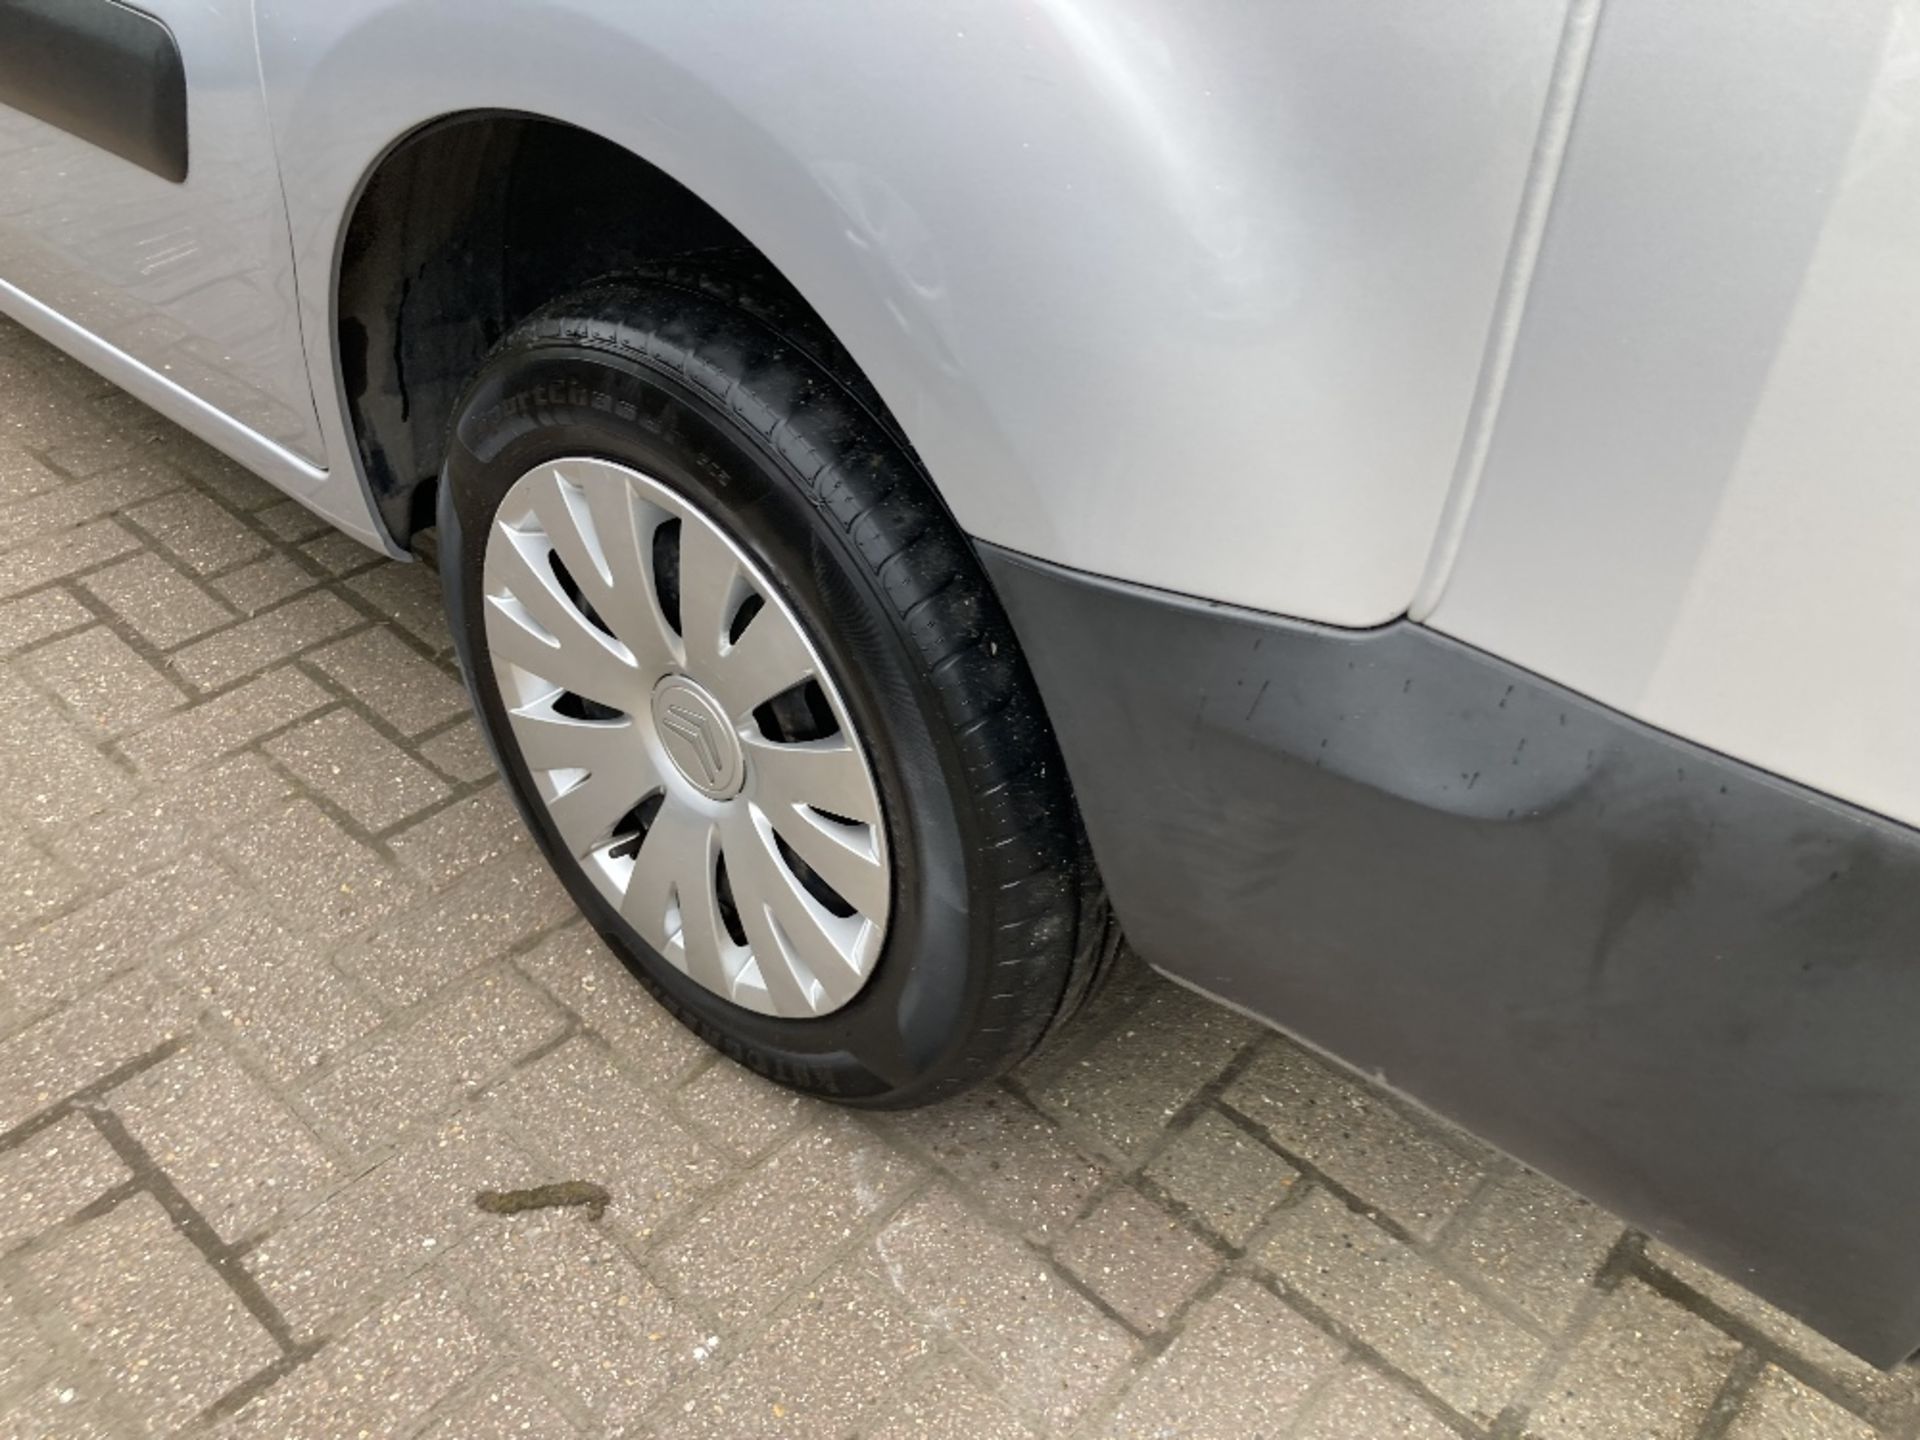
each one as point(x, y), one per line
point(755, 698)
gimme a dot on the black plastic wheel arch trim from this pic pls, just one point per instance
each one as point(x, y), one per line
point(1684, 986)
point(102, 71)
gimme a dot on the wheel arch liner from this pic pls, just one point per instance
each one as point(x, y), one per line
point(1685, 987)
point(102, 71)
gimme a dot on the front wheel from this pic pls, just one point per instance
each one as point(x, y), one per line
point(754, 697)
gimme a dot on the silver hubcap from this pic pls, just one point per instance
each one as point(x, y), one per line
point(688, 743)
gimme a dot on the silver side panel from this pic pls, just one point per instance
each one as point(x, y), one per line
point(313, 487)
point(1701, 501)
point(1195, 294)
point(192, 280)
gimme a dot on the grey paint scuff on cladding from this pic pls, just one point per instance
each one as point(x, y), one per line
point(1681, 985)
point(102, 71)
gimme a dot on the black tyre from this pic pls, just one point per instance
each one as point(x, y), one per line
point(731, 432)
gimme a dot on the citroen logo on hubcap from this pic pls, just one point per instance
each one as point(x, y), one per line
point(695, 733)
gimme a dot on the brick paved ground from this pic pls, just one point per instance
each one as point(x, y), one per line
point(282, 985)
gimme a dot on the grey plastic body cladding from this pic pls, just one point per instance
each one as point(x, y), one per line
point(1677, 983)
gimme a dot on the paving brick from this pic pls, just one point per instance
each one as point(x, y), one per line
point(263, 584)
point(1645, 1368)
point(265, 639)
point(21, 474)
point(1416, 1315)
point(739, 1111)
point(506, 1405)
point(574, 966)
point(450, 842)
point(290, 520)
point(234, 1150)
point(394, 680)
point(1402, 1167)
point(162, 822)
point(1890, 1396)
point(1228, 1179)
point(436, 942)
point(201, 533)
point(381, 1378)
point(427, 1065)
point(390, 1223)
point(104, 681)
point(58, 1410)
point(58, 510)
point(460, 752)
point(48, 771)
point(52, 1175)
point(1535, 1244)
point(39, 412)
point(218, 475)
point(328, 883)
point(151, 1312)
point(54, 557)
point(949, 1403)
point(24, 1352)
point(582, 1114)
point(32, 885)
point(92, 453)
point(832, 1359)
point(16, 690)
point(1052, 1353)
point(1361, 1405)
point(785, 1218)
point(76, 1046)
point(590, 1321)
point(408, 595)
point(210, 729)
point(353, 765)
point(32, 618)
point(158, 601)
point(1781, 1408)
point(1126, 1089)
point(278, 990)
point(1138, 1258)
point(1240, 1369)
point(1011, 1156)
point(118, 410)
point(51, 965)
point(338, 553)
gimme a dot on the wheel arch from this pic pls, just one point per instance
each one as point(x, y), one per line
point(462, 227)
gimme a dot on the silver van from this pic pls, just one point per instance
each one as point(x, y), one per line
point(1409, 512)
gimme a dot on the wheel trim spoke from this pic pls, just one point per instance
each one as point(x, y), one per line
point(804, 950)
point(584, 813)
point(711, 589)
point(841, 859)
point(771, 656)
point(554, 667)
point(793, 783)
point(826, 774)
point(532, 624)
point(675, 871)
point(603, 532)
point(552, 741)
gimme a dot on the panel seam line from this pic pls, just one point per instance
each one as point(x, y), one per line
point(323, 461)
point(1516, 284)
